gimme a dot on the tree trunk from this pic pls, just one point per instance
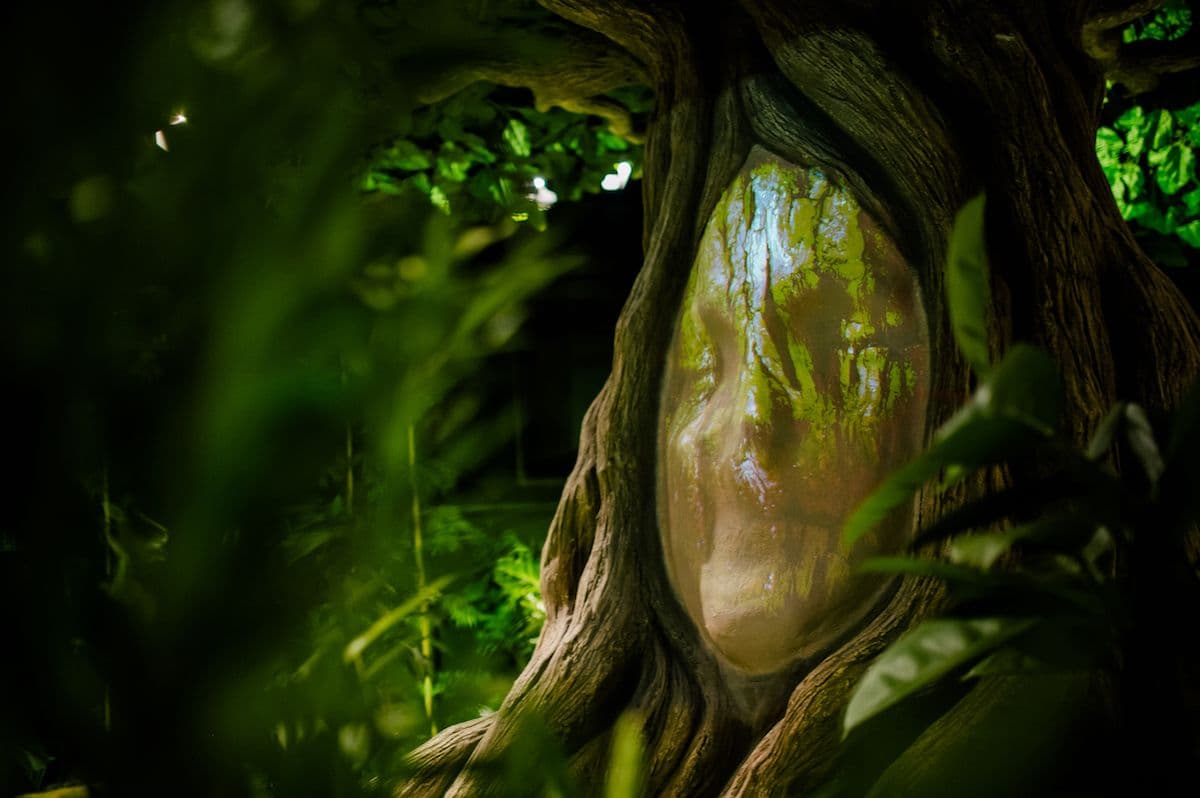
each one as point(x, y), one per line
point(915, 106)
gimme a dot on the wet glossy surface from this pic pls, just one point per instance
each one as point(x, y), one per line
point(796, 380)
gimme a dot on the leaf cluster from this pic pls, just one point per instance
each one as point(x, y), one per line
point(476, 154)
point(1149, 156)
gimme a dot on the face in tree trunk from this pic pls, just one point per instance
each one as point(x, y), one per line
point(786, 344)
point(796, 380)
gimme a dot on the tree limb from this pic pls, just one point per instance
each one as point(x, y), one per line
point(1139, 66)
point(1101, 35)
point(1112, 14)
point(562, 64)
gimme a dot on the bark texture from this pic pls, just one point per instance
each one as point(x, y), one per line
point(916, 106)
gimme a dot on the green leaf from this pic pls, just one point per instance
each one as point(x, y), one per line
point(1190, 233)
point(406, 156)
point(1140, 435)
point(453, 163)
point(1024, 387)
point(1176, 168)
point(1135, 141)
point(967, 284)
point(1006, 662)
point(627, 760)
point(951, 573)
point(1189, 117)
point(1067, 534)
point(1133, 178)
point(611, 142)
point(355, 648)
point(981, 550)
point(1131, 419)
point(1106, 432)
point(516, 138)
point(922, 657)
point(1161, 125)
point(1150, 217)
point(1135, 117)
point(977, 441)
point(1191, 202)
point(1108, 150)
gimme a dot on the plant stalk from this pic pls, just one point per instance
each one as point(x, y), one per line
point(423, 622)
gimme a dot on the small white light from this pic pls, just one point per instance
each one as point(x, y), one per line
point(178, 118)
point(619, 179)
point(160, 139)
point(543, 196)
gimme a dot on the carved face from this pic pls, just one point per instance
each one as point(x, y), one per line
point(796, 380)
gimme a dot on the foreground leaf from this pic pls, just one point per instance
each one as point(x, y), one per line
point(967, 285)
point(627, 759)
point(922, 657)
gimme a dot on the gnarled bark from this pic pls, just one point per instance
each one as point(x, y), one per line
point(915, 107)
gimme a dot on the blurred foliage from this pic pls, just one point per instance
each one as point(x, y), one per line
point(1149, 157)
point(1070, 576)
point(259, 546)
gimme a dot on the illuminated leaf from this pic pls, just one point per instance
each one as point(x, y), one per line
point(1190, 233)
point(1133, 177)
point(1135, 117)
point(453, 163)
point(1109, 147)
point(1191, 202)
point(1176, 168)
point(405, 155)
point(516, 138)
point(922, 657)
point(1162, 129)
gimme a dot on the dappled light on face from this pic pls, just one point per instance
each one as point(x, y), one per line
point(795, 381)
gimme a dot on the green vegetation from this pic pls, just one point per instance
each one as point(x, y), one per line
point(1056, 583)
point(1149, 158)
point(477, 155)
point(269, 536)
point(262, 535)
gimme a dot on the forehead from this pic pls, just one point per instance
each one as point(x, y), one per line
point(792, 228)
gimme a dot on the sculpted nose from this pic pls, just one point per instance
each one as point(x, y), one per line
point(749, 432)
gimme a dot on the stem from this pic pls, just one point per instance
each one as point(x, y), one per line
point(349, 471)
point(419, 554)
point(106, 509)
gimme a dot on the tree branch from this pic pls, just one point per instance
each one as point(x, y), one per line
point(1139, 66)
point(562, 64)
point(1101, 36)
point(1113, 14)
point(1172, 91)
